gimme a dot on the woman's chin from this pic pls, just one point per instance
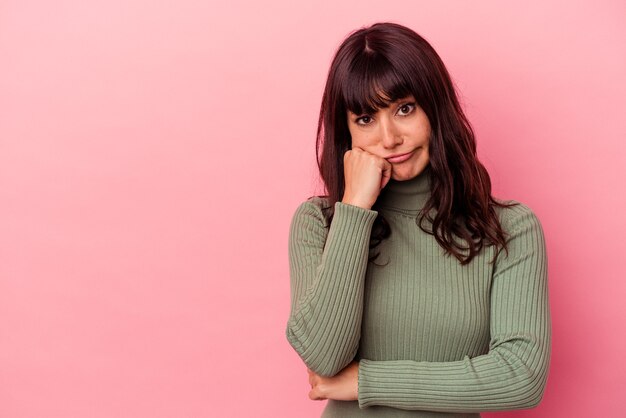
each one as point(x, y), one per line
point(402, 174)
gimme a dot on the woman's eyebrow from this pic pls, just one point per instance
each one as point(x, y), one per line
point(388, 103)
point(403, 98)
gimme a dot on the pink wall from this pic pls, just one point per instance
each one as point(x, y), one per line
point(152, 154)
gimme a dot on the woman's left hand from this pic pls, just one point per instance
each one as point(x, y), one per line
point(344, 386)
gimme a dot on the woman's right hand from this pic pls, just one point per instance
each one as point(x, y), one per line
point(365, 176)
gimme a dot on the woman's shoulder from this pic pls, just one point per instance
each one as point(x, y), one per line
point(516, 215)
point(313, 208)
point(317, 203)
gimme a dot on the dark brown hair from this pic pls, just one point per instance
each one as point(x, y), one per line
point(385, 62)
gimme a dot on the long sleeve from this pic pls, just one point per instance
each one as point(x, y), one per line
point(327, 273)
point(513, 374)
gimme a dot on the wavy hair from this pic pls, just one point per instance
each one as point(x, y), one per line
point(385, 62)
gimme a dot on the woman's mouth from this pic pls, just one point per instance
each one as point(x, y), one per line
point(400, 158)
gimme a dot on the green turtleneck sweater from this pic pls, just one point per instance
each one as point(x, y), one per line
point(433, 338)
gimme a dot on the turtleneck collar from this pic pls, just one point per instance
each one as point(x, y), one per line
point(408, 195)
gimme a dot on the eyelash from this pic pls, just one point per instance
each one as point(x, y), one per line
point(412, 105)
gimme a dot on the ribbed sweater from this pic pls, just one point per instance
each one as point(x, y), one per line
point(433, 338)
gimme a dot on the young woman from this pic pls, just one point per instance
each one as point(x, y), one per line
point(414, 291)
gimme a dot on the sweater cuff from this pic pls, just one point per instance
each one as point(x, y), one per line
point(377, 385)
point(365, 386)
point(353, 213)
point(351, 216)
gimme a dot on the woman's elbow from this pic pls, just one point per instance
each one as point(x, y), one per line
point(535, 389)
point(537, 397)
point(317, 361)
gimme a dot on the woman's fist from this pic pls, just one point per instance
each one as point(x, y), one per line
point(365, 176)
point(344, 386)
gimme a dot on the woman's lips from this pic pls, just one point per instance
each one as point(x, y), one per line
point(400, 158)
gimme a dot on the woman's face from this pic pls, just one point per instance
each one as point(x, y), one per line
point(401, 128)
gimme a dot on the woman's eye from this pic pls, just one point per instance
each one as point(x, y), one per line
point(361, 119)
point(410, 106)
point(405, 109)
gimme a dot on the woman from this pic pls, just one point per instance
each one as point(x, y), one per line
point(414, 292)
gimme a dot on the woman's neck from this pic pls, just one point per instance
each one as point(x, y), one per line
point(409, 194)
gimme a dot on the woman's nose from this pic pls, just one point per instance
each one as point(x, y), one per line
point(389, 135)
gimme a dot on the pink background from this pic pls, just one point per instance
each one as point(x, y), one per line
point(152, 154)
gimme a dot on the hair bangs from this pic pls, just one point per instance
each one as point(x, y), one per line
point(373, 83)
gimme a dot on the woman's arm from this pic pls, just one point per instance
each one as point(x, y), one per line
point(513, 374)
point(327, 273)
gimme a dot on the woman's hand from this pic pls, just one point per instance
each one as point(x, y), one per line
point(344, 386)
point(365, 176)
